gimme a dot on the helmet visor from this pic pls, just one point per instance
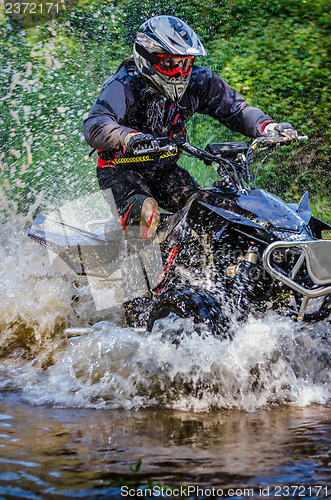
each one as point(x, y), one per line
point(174, 65)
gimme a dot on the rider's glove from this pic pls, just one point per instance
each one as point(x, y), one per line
point(137, 140)
point(284, 129)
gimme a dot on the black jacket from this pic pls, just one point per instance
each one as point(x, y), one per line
point(127, 103)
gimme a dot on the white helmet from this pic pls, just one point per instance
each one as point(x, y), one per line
point(164, 52)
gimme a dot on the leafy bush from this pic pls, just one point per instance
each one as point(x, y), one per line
point(274, 53)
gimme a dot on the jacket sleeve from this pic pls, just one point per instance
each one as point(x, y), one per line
point(223, 103)
point(102, 128)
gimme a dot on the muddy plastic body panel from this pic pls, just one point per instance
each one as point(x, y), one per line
point(86, 253)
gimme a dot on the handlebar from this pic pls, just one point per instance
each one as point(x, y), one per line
point(202, 154)
point(237, 169)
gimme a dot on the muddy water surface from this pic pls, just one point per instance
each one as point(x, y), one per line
point(86, 453)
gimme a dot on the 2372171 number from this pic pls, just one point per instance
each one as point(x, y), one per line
point(31, 8)
point(300, 491)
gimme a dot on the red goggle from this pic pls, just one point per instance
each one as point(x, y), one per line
point(174, 65)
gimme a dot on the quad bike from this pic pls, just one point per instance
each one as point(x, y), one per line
point(232, 250)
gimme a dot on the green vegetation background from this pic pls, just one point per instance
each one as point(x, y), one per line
point(274, 52)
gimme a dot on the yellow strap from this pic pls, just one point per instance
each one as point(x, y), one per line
point(136, 159)
point(166, 155)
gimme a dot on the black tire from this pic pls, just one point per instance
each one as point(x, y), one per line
point(189, 302)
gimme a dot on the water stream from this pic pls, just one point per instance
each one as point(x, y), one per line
point(56, 453)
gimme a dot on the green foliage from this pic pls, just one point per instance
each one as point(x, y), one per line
point(137, 481)
point(274, 52)
point(136, 468)
point(50, 76)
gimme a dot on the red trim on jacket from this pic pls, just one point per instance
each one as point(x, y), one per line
point(106, 163)
point(264, 125)
point(174, 123)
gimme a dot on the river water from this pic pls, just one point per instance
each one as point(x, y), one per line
point(86, 453)
point(83, 416)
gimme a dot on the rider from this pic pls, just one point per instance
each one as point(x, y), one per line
point(153, 94)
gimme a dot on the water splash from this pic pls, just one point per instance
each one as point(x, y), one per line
point(270, 361)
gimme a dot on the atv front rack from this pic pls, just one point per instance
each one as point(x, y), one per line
point(314, 259)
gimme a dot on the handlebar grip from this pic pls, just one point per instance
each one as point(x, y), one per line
point(270, 140)
point(163, 149)
point(138, 152)
point(282, 139)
